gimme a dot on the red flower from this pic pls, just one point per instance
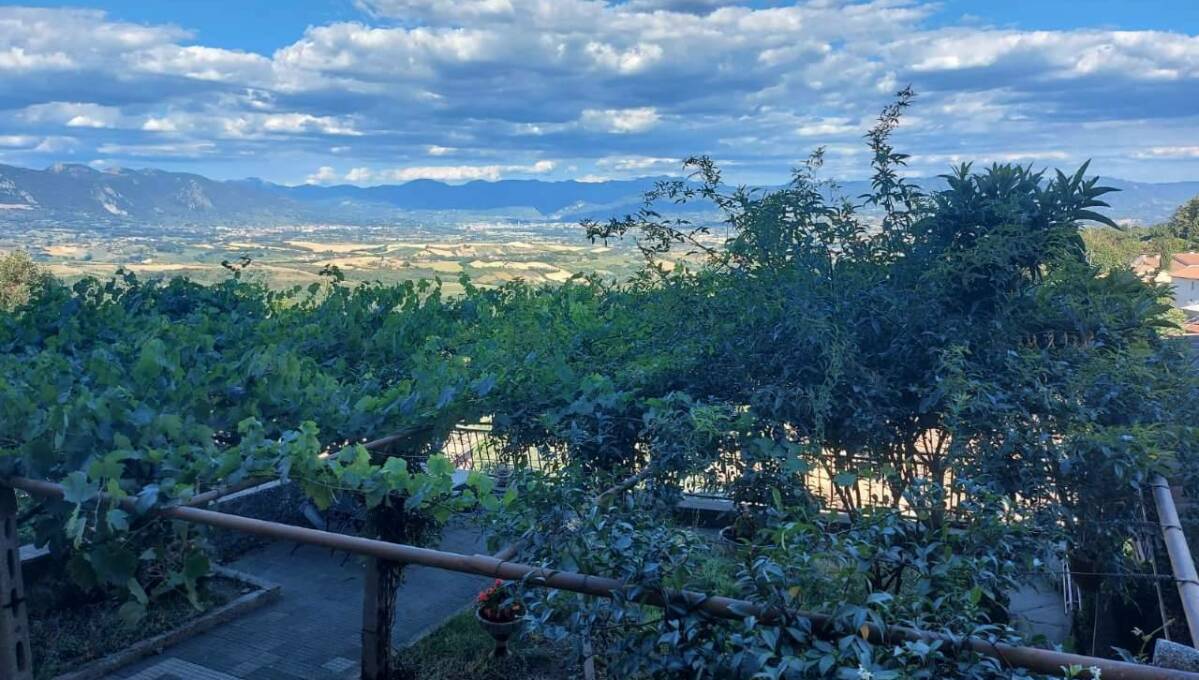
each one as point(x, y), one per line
point(492, 603)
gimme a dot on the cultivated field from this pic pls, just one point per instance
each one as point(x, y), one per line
point(490, 253)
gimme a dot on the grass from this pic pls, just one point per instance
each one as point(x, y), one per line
point(65, 638)
point(460, 649)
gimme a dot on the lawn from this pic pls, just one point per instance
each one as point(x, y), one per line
point(460, 649)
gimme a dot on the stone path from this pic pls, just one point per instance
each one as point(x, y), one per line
point(313, 631)
point(1037, 609)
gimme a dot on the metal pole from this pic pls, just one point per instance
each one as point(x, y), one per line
point(1181, 561)
point(1038, 660)
point(15, 658)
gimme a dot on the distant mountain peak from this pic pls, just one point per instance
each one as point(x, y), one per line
point(70, 193)
point(72, 169)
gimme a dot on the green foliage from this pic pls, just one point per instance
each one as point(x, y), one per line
point(973, 390)
point(19, 276)
point(1113, 249)
point(153, 391)
point(1184, 223)
point(946, 360)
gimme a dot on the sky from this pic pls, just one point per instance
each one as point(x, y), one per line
point(384, 91)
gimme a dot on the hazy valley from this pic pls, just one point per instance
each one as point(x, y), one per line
point(79, 221)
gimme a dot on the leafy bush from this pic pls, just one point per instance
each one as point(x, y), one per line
point(917, 397)
point(19, 275)
point(153, 391)
point(974, 392)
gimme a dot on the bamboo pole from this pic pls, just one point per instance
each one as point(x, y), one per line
point(220, 492)
point(1181, 562)
point(1038, 660)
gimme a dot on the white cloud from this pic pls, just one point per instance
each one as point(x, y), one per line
point(257, 125)
point(620, 121)
point(159, 125)
point(323, 175)
point(1004, 157)
point(19, 59)
point(17, 141)
point(1136, 55)
point(183, 150)
point(1169, 152)
point(36, 144)
point(204, 63)
point(355, 176)
point(639, 163)
point(452, 10)
point(444, 173)
point(303, 122)
point(692, 6)
point(828, 127)
point(629, 61)
point(56, 144)
point(484, 81)
point(87, 121)
point(72, 114)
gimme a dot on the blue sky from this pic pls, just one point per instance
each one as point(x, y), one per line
point(380, 91)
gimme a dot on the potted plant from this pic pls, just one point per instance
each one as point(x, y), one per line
point(499, 614)
point(741, 532)
point(502, 473)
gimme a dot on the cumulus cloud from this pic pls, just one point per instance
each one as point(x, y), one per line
point(303, 122)
point(444, 173)
point(72, 114)
point(500, 84)
point(323, 175)
point(620, 120)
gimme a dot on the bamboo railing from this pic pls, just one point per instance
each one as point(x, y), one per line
point(1038, 660)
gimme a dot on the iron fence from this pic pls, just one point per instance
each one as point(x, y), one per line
point(834, 479)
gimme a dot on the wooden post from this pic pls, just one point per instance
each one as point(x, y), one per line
point(376, 621)
point(16, 662)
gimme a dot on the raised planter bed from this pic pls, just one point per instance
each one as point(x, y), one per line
point(261, 593)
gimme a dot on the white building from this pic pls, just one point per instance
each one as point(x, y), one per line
point(1184, 278)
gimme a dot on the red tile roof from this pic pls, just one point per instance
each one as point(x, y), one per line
point(1185, 266)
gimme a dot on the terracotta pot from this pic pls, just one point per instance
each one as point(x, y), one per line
point(500, 632)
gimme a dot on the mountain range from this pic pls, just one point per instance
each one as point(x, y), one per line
point(72, 194)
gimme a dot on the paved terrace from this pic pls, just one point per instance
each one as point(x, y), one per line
point(313, 631)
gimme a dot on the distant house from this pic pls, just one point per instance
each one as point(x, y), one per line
point(1147, 266)
point(1184, 278)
